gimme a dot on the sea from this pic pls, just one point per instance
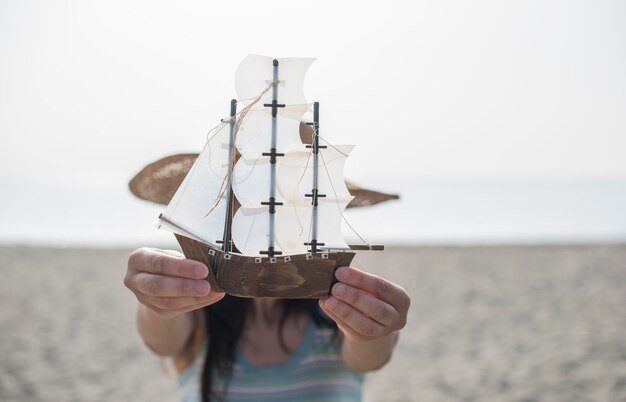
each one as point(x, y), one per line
point(427, 213)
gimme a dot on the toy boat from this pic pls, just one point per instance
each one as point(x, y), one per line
point(260, 207)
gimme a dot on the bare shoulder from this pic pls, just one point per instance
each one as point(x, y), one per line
point(194, 345)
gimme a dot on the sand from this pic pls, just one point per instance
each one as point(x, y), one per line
point(486, 324)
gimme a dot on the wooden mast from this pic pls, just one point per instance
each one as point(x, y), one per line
point(227, 243)
point(273, 154)
point(314, 243)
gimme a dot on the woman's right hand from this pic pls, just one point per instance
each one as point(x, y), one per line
point(167, 283)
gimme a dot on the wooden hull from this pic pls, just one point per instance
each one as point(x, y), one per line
point(298, 276)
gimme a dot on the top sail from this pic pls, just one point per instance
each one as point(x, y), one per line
point(254, 75)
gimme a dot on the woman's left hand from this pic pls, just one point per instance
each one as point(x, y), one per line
point(365, 306)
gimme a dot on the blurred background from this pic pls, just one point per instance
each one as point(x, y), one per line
point(501, 125)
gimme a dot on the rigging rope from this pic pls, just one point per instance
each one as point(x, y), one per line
point(335, 192)
point(239, 117)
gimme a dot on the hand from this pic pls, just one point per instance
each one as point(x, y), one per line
point(365, 306)
point(167, 283)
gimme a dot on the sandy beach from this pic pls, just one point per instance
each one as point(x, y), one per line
point(543, 323)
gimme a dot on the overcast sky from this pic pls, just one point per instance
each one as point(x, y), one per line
point(428, 91)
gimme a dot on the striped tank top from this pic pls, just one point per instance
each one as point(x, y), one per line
point(314, 373)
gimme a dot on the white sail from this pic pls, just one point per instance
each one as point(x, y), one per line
point(255, 73)
point(253, 137)
point(198, 209)
point(251, 178)
point(250, 230)
point(294, 169)
point(293, 226)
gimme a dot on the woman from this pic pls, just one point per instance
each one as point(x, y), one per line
point(264, 349)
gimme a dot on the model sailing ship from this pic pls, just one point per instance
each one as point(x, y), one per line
point(259, 207)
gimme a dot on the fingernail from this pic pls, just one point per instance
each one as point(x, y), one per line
point(216, 296)
point(342, 273)
point(201, 271)
point(203, 287)
point(331, 303)
point(339, 289)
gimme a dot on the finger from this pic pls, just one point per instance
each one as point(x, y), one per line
point(374, 308)
point(176, 303)
point(162, 263)
point(376, 286)
point(165, 286)
point(348, 331)
point(188, 309)
point(218, 297)
point(353, 318)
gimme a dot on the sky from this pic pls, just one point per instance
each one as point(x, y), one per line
point(430, 92)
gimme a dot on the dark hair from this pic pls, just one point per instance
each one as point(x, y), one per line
point(224, 325)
